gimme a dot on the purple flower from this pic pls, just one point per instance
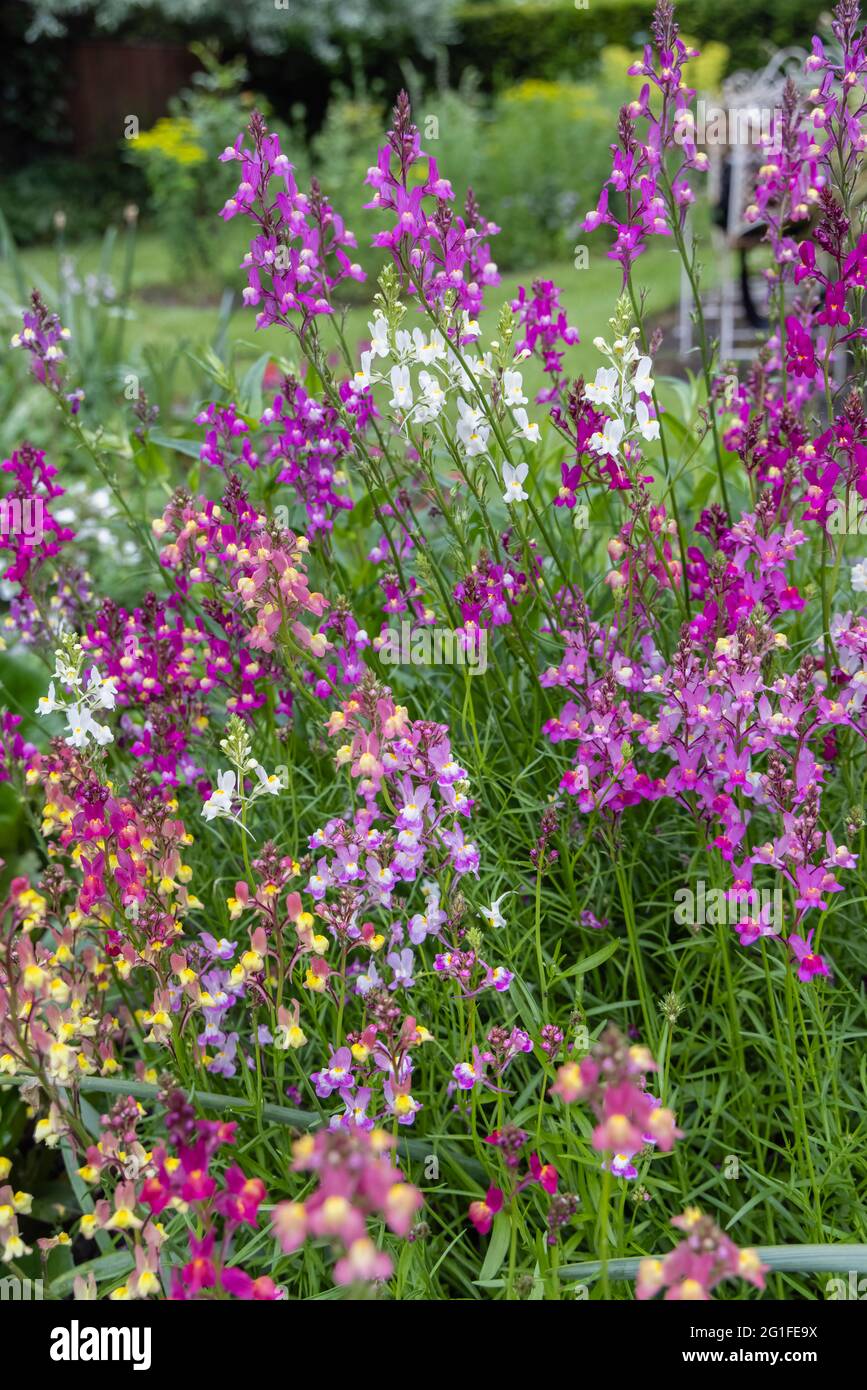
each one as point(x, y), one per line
point(223, 1061)
point(402, 966)
point(808, 962)
point(336, 1076)
point(222, 949)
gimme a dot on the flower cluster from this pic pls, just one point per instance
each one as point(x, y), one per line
point(650, 169)
point(546, 332)
point(355, 1182)
point(400, 879)
point(44, 338)
point(613, 1080)
point(443, 257)
point(704, 1258)
point(87, 693)
point(46, 593)
point(257, 567)
point(309, 445)
point(625, 392)
point(231, 788)
point(485, 397)
point(298, 257)
point(12, 1205)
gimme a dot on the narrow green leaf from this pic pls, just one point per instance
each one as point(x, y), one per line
point(498, 1246)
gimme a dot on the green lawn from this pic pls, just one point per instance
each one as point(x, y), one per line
point(166, 313)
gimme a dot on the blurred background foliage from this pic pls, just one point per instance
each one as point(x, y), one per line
point(517, 99)
point(301, 59)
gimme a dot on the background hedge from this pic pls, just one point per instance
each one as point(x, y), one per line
point(508, 41)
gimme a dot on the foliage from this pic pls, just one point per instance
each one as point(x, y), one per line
point(179, 153)
point(324, 27)
point(89, 194)
point(552, 39)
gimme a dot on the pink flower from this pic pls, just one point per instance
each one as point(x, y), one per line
point(289, 1224)
point(362, 1263)
point(483, 1211)
point(543, 1173)
point(808, 962)
point(702, 1260)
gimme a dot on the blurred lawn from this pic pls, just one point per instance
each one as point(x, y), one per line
point(164, 312)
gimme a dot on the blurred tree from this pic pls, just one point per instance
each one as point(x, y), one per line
point(323, 27)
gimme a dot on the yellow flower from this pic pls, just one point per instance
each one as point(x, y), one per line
point(175, 139)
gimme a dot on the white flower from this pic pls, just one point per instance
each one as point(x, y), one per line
point(859, 578)
point(642, 381)
point(100, 733)
point(82, 726)
point(268, 781)
point(76, 720)
point(379, 336)
point(625, 348)
point(102, 690)
point(649, 428)
point(432, 386)
point(402, 388)
point(513, 389)
point(64, 671)
point(492, 915)
point(482, 367)
point(604, 389)
point(469, 327)
point(469, 414)
point(513, 477)
point(474, 438)
point(432, 399)
point(608, 442)
point(427, 351)
point(403, 346)
point(472, 431)
point(219, 803)
point(361, 379)
point(47, 703)
point(457, 373)
point(525, 430)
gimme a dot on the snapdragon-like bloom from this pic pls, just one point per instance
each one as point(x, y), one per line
point(704, 1258)
point(656, 149)
point(483, 1210)
point(299, 255)
point(514, 477)
point(355, 1182)
point(612, 1078)
point(440, 255)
